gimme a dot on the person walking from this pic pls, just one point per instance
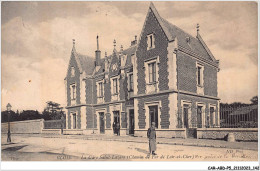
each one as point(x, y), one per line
point(151, 134)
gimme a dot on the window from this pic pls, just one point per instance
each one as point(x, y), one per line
point(199, 75)
point(73, 92)
point(72, 71)
point(200, 78)
point(150, 41)
point(200, 70)
point(199, 116)
point(115, 86)
point(212, 116)
point(152, 72)
point(131, 82)
point(100, 89)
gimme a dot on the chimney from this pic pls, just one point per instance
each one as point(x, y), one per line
point(198, 29)
point(134, 42)
point(98, 55)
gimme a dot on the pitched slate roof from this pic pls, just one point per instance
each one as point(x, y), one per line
point(87, 63)
point(196, 45)
point(128, 52)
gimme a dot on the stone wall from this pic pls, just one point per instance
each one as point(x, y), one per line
point(241, 134)
point(23, 127)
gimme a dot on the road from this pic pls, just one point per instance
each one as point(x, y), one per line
point(38, 148)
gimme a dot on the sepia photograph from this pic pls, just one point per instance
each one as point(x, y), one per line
point(129, 81)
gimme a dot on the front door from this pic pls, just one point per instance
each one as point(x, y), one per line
point(102, 122)
point(131, 121)
point(116, 123)
point(153, 111)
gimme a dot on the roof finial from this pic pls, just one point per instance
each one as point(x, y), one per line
point(97, 43)
point(73, 45)
point(105, 54)
point(135, 37)
point(114, 44)
point(121, 49)
point(198, 28)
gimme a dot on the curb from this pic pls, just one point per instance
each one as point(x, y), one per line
point(146, 141)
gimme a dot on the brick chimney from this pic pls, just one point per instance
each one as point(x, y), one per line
point(98, 55)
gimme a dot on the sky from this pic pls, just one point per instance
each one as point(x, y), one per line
point(37, 38)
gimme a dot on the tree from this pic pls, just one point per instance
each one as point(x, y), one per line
point(254, 100)
point(52, 111)
point(29, 115)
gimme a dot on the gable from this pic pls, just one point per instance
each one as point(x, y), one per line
point(115, 65)
point(72, 63)
point(196, 46)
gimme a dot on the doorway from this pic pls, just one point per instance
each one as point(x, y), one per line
point(131, 122)
point(116, 123)
point(102, 122)
point(153, 112)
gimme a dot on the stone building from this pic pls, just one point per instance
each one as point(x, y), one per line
point(166, 76)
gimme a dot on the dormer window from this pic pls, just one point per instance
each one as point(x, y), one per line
point(150, 41)
point(100, 89)
point(114, 83)
point(115, 86)
point(72, 72)
point(131, 82)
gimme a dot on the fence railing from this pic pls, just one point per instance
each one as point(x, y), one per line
point(54, 124)
point(239, 117)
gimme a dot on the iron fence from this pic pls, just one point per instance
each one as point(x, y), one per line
point(239, 117)
point(54, 124)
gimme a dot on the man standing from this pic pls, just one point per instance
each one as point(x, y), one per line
point(151, 134)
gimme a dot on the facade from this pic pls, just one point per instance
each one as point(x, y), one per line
point(166, 76)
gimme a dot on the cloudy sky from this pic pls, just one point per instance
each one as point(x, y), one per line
point(37, 41)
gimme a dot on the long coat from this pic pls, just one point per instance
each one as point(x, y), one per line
point(151, 134)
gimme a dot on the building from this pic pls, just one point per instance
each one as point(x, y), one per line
point(166, 76)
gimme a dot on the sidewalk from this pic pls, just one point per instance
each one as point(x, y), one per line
point(172, 141)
